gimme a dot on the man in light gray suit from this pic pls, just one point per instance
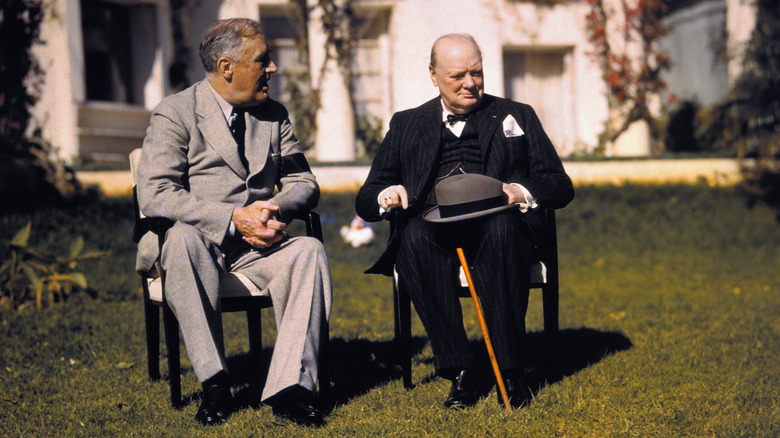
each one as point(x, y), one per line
point(221, 160)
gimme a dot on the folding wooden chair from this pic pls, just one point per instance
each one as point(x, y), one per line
point(544, 276)
point(238, 294)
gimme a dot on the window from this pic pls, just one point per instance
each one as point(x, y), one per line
point(119, 49)
point(107, 52)
point(283, 32)
point(123, 74)
point(370, 65)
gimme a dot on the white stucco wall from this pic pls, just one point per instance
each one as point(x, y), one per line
point(740, 22)
point(414, 25)
point(55, 113)
point(698, 73)
point(496, 26)
point(68, 121)
point(563, 26)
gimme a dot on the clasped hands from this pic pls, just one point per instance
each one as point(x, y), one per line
point(258, 224)
point(395, 196)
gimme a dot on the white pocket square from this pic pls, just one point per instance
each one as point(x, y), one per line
point(511, 128)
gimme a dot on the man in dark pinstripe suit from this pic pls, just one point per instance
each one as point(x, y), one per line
point(465, 131)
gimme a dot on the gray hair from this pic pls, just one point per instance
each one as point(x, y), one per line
point(453, 36)
point(224, 38)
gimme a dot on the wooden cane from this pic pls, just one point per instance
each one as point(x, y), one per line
point(485, 335)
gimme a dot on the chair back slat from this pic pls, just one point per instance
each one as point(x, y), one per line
point(135, 155)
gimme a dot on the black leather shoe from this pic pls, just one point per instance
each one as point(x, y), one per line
point(518, 392)
point(216, 404)
point(464, 391)
point(296, 404)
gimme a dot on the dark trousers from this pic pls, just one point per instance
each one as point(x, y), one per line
point(499, 250)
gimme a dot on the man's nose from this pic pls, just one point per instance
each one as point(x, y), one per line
point(271, 67)
point(468, 80)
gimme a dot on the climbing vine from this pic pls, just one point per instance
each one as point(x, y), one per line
point(31, 173)
point(337, 19)
point(613, 28)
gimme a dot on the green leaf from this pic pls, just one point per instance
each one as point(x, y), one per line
point(79, 279)
point(39, 295)
point(31, 275)
point(76, 278)
point(94, 255)
point(43, 268)
point(6, 266)
point(76, 246)
point(22, 236)
point(41, 256)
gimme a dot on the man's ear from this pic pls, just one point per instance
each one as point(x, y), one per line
point(432, 71)
point(225, 67)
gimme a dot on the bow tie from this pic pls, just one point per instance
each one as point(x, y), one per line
point(452, 119)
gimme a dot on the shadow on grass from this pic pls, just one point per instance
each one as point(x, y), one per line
point(582, 347)
point(577, 349)
point(358, 365)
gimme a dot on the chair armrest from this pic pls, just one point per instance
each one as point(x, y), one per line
point(144, 224)
point(313, 224)
point(157, 225)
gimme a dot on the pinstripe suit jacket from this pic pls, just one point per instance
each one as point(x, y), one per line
point(190, 169)
point(410, 154)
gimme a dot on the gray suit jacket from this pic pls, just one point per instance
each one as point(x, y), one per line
point(190, 169)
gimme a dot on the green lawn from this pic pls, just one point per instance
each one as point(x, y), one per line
point(669, 316)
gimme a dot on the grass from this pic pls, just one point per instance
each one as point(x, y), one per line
point(669, 317)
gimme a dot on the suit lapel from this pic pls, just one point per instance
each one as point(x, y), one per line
point(487, 121)
point(258, 140)
point(429, 141)
point(214, 128)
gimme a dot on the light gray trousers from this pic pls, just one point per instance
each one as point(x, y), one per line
point(294, 273)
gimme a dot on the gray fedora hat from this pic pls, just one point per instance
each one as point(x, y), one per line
point(467, 196)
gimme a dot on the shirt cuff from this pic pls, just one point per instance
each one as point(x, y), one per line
point(530, 201)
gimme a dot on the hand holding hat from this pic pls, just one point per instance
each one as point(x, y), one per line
point(467, 196)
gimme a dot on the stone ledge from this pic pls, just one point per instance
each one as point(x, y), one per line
point(715, 172)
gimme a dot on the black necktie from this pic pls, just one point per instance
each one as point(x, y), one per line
point(238, 129)
point(454, 118)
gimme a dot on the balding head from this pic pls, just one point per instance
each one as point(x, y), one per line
point(444, 40)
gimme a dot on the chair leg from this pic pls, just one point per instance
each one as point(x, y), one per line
point(324, 361)
point(550, 309)
point(255, 327)
point(172, 344)
point(403, 332)
point(152, 319)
